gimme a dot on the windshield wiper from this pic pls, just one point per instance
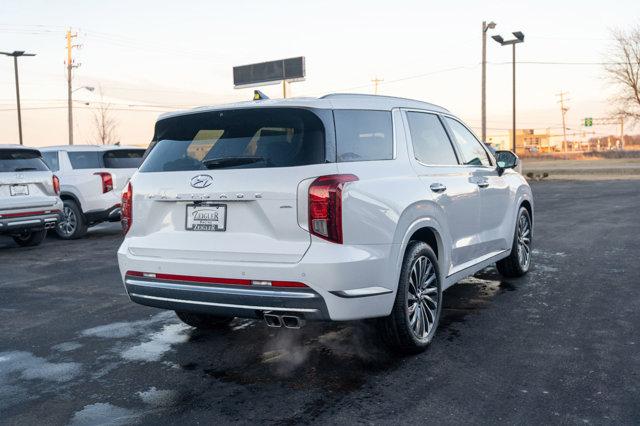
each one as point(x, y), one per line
point(214, 163)
point(24, 169)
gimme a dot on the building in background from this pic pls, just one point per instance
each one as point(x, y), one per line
point(527, 141)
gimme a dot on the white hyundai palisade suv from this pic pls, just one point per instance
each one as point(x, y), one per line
point(339, 208)
point(29, 202)
point(92, 178)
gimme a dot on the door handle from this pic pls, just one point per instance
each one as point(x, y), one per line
point(483, 183)
point(437, 187)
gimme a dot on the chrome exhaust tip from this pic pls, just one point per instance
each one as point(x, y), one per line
point(291, 321)
point(272, 320)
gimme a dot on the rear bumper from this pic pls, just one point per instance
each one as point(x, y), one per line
point(225, 300)
point(12, 222)
point(342, 283)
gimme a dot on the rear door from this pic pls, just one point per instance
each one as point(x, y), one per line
point(495, 195)
point(25, 180)
point(224, 185)
point(447, 183)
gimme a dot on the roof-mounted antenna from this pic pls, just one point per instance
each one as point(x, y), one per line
point(259, 96)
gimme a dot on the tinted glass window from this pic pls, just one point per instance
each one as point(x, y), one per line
point(85, 159)
point(431, 145)
point(244, 138)
point(51, 158)
point(363, 135)
point(21, 160)
point(123, 158)
point(472, 151)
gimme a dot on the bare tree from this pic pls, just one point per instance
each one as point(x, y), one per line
point(623, 71)
point(105, 123)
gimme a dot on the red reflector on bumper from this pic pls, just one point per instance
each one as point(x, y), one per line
point(209, 280)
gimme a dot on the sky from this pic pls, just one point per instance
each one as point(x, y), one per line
point(147, 57)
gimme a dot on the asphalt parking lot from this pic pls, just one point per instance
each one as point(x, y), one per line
point(558, 346)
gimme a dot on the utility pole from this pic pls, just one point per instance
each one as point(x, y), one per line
point(15, 54)
point(485, 27)
point(622, 132)
point(564, 110)
point(70, 66)
point(376, 81)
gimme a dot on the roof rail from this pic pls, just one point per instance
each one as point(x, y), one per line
point(351, 95)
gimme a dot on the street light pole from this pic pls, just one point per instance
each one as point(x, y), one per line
point(15, 55)
point(519, 38)
point(485, 27)
point(513, 100)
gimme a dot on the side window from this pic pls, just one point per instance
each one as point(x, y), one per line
point(85, 159)
point(51, 158)
point(363, 135)
point(472, 151)
point(431, 145)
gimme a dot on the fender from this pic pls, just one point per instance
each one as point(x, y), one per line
point(68, 194)
point(422, 214)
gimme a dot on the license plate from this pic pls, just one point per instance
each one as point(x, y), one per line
point(19, 190)
point(206, 217)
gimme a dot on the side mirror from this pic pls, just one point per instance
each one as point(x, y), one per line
point(506, 160)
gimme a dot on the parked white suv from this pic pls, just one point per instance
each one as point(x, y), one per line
point(339, 208)
point(92, 178)
point(29, 202)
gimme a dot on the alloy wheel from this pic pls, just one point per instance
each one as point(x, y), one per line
point(422, 300)
point(69, 221)
point(524, 242)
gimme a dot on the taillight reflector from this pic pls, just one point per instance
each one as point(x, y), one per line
point(126, 208)
point(213, 280)
point(325, 206)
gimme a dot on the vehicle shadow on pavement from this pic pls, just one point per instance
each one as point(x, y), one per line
point(339, 357)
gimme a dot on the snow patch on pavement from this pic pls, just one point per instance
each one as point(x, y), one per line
point(33, 367)
point(67, 346)
point(103, 413)
point(157, 397)
point(118, 330)
point(160, 343)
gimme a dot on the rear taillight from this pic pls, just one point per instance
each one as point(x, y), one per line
point(107, 181)
point(56, 185)
point(325, 206)
point(126, 215)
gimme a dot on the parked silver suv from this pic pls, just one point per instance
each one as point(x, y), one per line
point(29, 202)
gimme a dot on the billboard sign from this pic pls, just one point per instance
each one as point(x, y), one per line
point(291, 69)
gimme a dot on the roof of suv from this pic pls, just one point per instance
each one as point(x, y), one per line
point(87, 147)
point(331, 101)
point(15, 146)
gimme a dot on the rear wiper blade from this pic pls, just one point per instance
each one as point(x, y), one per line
point(213, 163)
point(24, 169)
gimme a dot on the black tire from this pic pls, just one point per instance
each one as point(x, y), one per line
point(399, 328)
point(203, 321)
point(30, 239)
point(514, 266)
point(73, 225)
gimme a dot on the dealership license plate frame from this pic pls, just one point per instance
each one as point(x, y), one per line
point(24, 190)
point(192, 224)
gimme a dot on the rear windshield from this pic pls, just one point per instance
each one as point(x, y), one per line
point(85, 159)
point(242, 138)
point(123, 158)
point(20, 160)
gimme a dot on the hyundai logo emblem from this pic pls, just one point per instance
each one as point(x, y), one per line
point(201, 181)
